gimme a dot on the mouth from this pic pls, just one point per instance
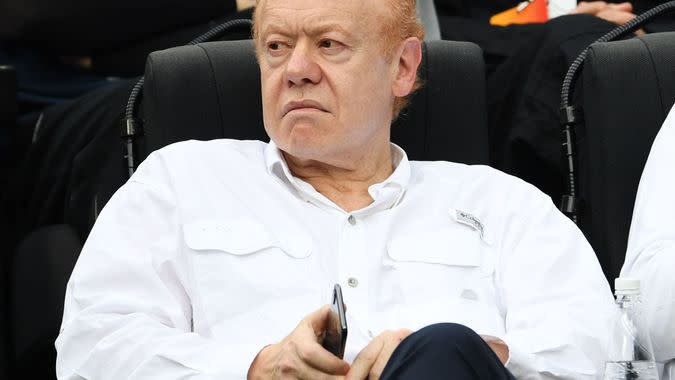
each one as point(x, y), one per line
point(303, 105)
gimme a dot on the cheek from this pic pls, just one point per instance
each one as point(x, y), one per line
point(366, 91)
point(269, 83)
point(270, 87)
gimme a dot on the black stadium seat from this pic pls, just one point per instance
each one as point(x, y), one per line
point(628, 89)
point(212, 90)
point(39, 274)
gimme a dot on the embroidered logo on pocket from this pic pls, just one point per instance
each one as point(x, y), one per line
point(469, 220)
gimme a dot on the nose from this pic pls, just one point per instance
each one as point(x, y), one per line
point(301, 68)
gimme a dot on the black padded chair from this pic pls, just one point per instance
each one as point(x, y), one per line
point(39, 274)
point(8, 112)
point(212, 90)
point(628, 89)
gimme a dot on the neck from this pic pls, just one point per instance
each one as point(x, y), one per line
point(345, 184)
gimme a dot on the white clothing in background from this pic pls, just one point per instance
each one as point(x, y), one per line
point(560, 7)
point(650, 254)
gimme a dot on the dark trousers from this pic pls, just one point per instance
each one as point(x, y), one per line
point(444, 351)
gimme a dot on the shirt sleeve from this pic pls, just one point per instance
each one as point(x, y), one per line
point(556, 299)
point(650, 254)
point(128, 312)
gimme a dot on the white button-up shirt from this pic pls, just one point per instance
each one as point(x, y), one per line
point(650, 254)
point(213, 250)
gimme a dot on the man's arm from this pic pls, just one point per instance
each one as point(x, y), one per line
point(128, 309)
point(554, 295)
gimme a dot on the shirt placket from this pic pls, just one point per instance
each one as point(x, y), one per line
point(353, 269)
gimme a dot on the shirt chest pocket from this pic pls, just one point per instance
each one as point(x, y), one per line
point(442, 276)
point(242, 268)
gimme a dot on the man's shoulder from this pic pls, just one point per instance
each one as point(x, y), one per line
point(204, 149)
point(499, 201)
point(478, 184)
point(458, 173)
point(193, 156)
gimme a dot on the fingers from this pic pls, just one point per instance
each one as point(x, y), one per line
point(618, 14)
point(364, 361)
point(293, 367)
point(498, 346)
point(591, 8)
point(308, 348)
point(318, 358)
point(300, 355)
point(372, 360)
point(615, 16)
point(624, 7)
point(390, 345)
point(317, 321)
point(595, 7)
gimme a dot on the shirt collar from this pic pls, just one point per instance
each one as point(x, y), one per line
point(385, 194)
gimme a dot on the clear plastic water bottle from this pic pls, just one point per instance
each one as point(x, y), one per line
point(631, 355)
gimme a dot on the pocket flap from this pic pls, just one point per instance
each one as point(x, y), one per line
point(455, 249)
point(241, 237)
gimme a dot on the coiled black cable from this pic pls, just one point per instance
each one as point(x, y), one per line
point(569, 114)
point(131, 126)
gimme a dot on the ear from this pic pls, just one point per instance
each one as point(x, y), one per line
point(409, 58)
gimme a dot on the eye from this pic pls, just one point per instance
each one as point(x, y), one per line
point(276, 48)
point(327, 44)
point(330, 45)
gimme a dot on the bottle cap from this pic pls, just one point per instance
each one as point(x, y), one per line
point(625, 285)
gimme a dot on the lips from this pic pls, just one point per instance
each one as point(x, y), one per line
point(302, 104)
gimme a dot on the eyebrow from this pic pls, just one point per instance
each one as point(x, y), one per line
point(311, 30)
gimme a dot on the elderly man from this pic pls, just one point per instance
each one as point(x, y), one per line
point(215, 259)
point(650, 254)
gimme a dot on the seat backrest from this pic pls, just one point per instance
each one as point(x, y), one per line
point(8, 105)
point(212, 90)
point(40, 271)
point(628, 89)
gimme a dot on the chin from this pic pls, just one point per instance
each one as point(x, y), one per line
point(303, 132)
point(305, 148)
point(303, 137)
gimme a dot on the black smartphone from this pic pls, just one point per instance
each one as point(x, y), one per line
point(335, 337)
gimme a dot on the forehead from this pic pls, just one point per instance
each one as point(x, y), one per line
point(349, 15)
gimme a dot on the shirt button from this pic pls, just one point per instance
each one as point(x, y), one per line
point(352, 220)
point(370, 334)
point(352, 282)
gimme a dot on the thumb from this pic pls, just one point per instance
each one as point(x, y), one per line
point(626, 7)
point(318, 321)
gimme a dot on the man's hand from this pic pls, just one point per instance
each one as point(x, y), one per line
point(595, 7)
point(615, 16)
point(618, 14)
point(498, 346)
point(370, 362)
point(300, 355)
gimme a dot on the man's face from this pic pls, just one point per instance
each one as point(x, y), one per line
point(326, 84)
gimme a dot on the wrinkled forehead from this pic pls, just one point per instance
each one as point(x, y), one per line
point(353, 16)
